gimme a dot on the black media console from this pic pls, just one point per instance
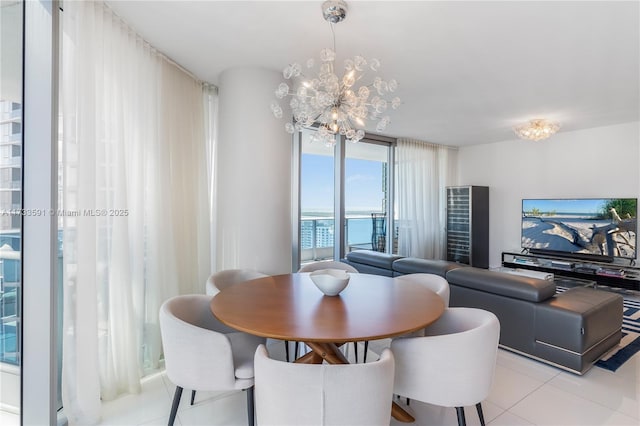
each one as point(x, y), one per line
point(603, 273)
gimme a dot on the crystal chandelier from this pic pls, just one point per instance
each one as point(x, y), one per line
point(340, 105)
point(536, 129)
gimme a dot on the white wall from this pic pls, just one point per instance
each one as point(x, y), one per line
point(597, 162)
point(253, 179)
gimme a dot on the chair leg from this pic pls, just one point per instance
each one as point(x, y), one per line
point(250, 406)
point(461, 419)
point(174, 407)
point(295, 355)
point(480, 415)
point(286, 349)
point(193, 396)
point(355, 350)
point(366, 349)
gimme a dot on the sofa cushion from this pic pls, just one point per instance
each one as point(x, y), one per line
point(412, 265)
point(372, 258)
point(515, 286)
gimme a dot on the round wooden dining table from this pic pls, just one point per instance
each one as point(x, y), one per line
point(291, 307)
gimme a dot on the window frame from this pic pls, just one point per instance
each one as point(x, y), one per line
point(39, 367)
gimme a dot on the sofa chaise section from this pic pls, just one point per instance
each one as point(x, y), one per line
point(577, 327)
point(570, 329)
point(512, 298)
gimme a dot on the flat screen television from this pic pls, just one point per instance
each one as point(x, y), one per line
point(583, 228)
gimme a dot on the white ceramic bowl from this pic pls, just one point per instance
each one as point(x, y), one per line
point(330, 281)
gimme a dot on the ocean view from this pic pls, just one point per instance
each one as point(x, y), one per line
point(359, 228)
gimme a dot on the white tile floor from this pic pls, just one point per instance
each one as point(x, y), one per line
point(525, 392)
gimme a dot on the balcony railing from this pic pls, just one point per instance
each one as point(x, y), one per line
point(317, 236)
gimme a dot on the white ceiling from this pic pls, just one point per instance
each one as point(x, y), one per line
point(468, 71)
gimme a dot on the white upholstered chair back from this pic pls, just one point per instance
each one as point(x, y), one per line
point(198, 348)
point(327, 264)
point(223, 279)
point(453, 365)
point(433, 282)
point(202, 354)
point(323, 394)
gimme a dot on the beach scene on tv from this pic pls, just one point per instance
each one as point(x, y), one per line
point(605, 227)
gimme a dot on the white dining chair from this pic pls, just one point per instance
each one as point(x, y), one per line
point(228, 277)
point(327, 264)
point(453, 364)
point(323, 394)
point(203, 354)
point(433, 282)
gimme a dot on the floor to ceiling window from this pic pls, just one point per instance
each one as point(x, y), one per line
point(317, 217)
point(366, 195)
point(11, 19)
point(344, 187)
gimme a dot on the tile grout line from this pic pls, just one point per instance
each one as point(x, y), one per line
point(544, 382)
point(512, 414)
point(593, 401)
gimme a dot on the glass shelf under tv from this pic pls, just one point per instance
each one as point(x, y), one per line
point(603, 273)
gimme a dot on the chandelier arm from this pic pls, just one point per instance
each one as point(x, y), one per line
point(295, 94)
point(315, 120)
point(353, 126)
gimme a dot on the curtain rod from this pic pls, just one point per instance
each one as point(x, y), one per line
point(431, 144)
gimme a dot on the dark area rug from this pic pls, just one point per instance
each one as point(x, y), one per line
point(630, 343)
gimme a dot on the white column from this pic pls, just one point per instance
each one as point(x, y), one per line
point(253, 177)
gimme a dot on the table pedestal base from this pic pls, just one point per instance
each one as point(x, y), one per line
point(331, 353)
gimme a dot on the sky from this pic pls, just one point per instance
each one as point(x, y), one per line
point(565, 205)
point(363, 184)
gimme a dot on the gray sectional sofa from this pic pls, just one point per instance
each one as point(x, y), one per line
point(570, 329)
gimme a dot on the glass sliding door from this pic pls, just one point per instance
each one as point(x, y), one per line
point(345, 198)
point(11, 47)
point(317, 217)
point(366, 199)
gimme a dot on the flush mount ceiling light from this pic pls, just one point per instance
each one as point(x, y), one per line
point(536, 129)
point(340, 105)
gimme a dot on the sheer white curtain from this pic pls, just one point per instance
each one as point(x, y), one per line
point(423, 171)
point(210, 101)
point(135, 203)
